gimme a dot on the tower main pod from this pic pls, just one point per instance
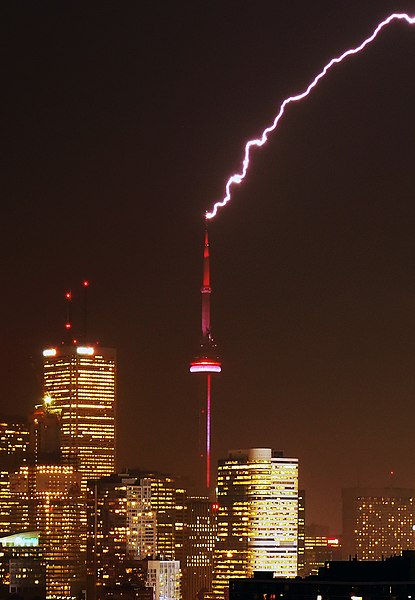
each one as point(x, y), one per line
point(207, 361)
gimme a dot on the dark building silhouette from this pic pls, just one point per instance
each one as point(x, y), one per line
point(393, 577)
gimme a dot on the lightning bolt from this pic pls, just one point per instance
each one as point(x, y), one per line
point(237, 178)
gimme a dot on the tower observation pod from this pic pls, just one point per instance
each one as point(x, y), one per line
point(207, 362)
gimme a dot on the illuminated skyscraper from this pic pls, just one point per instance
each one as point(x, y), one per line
point(48, 499)
point(377, 522)
point(51, 495)
point(257, 525)
point(14, 439)
point(80, 385)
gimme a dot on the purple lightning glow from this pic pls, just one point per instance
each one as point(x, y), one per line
point(237, 178)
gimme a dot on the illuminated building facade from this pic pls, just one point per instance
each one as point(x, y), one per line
point(14, 439)
point(131, 516)
point(257, 523)
point(22, 570)
point(377, 522)
point(80, 383)
point(164, 577)
point(50, 498)
point(200, 534)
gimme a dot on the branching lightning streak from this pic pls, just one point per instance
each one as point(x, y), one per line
point(237, 178)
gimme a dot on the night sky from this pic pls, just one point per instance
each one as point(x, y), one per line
point(120, 124)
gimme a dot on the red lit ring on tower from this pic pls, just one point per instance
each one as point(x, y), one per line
point(205, 366)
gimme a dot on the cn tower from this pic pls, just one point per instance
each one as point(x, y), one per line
point(207, 361)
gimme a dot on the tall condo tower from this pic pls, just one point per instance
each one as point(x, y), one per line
point(207, 361)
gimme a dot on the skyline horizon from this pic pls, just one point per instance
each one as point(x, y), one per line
point(122, 123)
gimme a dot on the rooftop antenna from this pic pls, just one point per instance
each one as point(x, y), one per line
point(85, 285)
point(68, 322)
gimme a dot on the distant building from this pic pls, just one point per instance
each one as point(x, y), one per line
point(131, 516)
point(320, 547)
point(392, 578)
point(301, 533)
point(377, 522)
point(200, 534)
point(14, 439)
point(257, 523)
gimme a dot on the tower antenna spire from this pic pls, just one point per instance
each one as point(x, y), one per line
point(206, 289)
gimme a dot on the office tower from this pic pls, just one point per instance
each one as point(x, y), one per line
point(131, 516)
point(200, 534)
point(377, 522)
point(206, 363)
point(14, 439)
point(49, 500)
point(164, 577)
point(80, 385)
point(257, 525)
point(320, 547)
point(22, 569)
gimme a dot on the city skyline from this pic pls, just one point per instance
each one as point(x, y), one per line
point(122, 125)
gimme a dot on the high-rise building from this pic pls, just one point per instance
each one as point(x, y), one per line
point(49, 502)
point(131, 516)
point(47, 495)
point(80, 387)
point(14, 439)
point(257, 524)
point(200, 534)
point(377, 522)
